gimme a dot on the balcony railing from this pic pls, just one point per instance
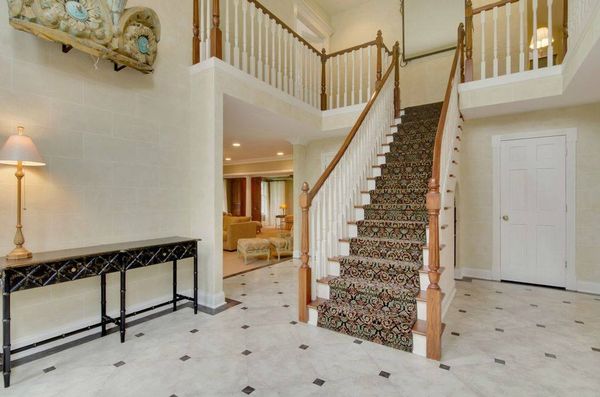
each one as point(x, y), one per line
point(246, 35)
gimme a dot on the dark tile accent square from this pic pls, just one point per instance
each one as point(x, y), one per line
point(467, 294)
point(244, 308)
point(173, 395)
point(319, 382)
point(498, 361)
point(462, 311)
point(384, 374)
point(595, 349)
point(303, 347)
point(286, 305)
point(139, 335)
point(184, 358)
point(498, 292)
point(533, 305)
point(444, 366)
point(358, 341)
point(499, 330)
point(246, 352)
point(49, 369)
point(567, 302)
point(293, 322)
point(280, 293)
point(243, 295)
point(499, 308)
point(119, 364)
point(243, 284)
point(579, 322)
point(272, 274)
point(248, 389)
point(540, 325)
point(194, 331)
point(275, 282)
point(550, 355)
point(455, 334)
point(245, 326)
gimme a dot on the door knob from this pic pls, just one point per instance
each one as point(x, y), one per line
point(505, 218)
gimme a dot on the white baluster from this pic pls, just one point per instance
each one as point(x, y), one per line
point(291, 58)
point(260, 64)
point(522, 5)
point(279, 57)
point(273, 75)
point(299, 67)
point(245, 36)
point(267, 78)
point(508, 8)
point(535, 36)
point(482, 18)
point(252, 56)
point(227, 33)
point(330, 82)
point(345, 79)
point(550, 34)
point(305, 77)
point(236, 47)
point(495, 18)
point(338, 87)
point(286, 86)
point(369, 76)
point(202, 6)
point(353, 99)
point(208, 27)
point(361, 77)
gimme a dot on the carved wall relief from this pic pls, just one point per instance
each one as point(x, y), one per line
point(101, 28)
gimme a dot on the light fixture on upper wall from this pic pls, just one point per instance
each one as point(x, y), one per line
point(280, 153)
point(19, 150)
point(235, 144)
point(227, 158)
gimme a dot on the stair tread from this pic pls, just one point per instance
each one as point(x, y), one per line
point(422, 268)
point(420, 327)
point(421, 296)
point(398, 316)
point(378, 222)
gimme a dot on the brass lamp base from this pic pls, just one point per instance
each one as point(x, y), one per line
point(19, 253)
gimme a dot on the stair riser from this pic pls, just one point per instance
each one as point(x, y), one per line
point(396, 157)
point(381, 197)
point(380, 302)
point(407, 232)
point(359, 214)
point(406, 252)
point(395, 215)
point(333, 269)
point(401, 183)
point(420, 345)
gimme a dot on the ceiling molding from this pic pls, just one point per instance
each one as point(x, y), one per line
point(260, 160)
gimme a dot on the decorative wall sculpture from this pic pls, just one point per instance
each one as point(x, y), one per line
point(101, 28)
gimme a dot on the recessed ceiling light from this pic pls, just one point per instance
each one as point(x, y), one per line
point(237, 144)
point(227, 158)
point(280, 153)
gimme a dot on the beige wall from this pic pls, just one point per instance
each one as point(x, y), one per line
point(475, 189)
point(118, 168)
point(267, 167)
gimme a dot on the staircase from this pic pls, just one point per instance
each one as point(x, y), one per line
point(376, 291)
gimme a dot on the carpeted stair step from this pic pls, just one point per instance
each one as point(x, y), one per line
point(397, 196)
point(406, 274)
point(400, 250)
point(396, 212)
point(410, 147)
point(390, 329)
point(423, 111)
point(373, 295)
point(392, 230)
point(413, 182)
point(418, 128)
point(412, 170)
point(409, 157)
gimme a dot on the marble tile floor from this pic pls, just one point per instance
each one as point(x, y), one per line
point(500, 340)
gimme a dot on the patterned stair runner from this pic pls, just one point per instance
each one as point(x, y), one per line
point(375, 296)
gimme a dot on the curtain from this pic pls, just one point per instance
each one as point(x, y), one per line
point(225, 197)
point(264, 206)
point(276, 199)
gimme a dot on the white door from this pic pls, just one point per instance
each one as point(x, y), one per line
point(533, 210)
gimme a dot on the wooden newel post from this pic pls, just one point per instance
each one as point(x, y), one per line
point(434, 293)
point(216, 36)
point(196, 32)
point(469, 40)
point(396, 55)
point(323, 80)
point(379, 43)
point(304, 285)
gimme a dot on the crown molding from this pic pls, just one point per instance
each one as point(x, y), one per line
point(260, 160)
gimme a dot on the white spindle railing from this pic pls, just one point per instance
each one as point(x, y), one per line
point(333, 205)
point(526, 20)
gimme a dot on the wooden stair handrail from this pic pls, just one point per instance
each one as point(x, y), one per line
point(433, 204)
point(350, 49)
point(340, 153)
point(491, 6)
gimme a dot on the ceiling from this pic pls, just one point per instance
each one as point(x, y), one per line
point(262, 134)
point(333, 7)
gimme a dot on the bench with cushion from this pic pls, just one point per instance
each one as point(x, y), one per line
point(254, 247)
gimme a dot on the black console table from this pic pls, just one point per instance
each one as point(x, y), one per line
point(75, 264)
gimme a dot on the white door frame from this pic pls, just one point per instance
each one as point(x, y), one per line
point(570, 135)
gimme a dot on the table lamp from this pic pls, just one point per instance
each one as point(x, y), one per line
point(283, 208)
point(20, 150)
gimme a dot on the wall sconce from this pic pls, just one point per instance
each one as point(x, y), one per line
point(19, 150)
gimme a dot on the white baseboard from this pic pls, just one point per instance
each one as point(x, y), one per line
point(447, 301)
point(210, 300)
point(461, 272)
point(588, 287)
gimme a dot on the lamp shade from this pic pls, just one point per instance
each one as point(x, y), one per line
point(20, 148)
